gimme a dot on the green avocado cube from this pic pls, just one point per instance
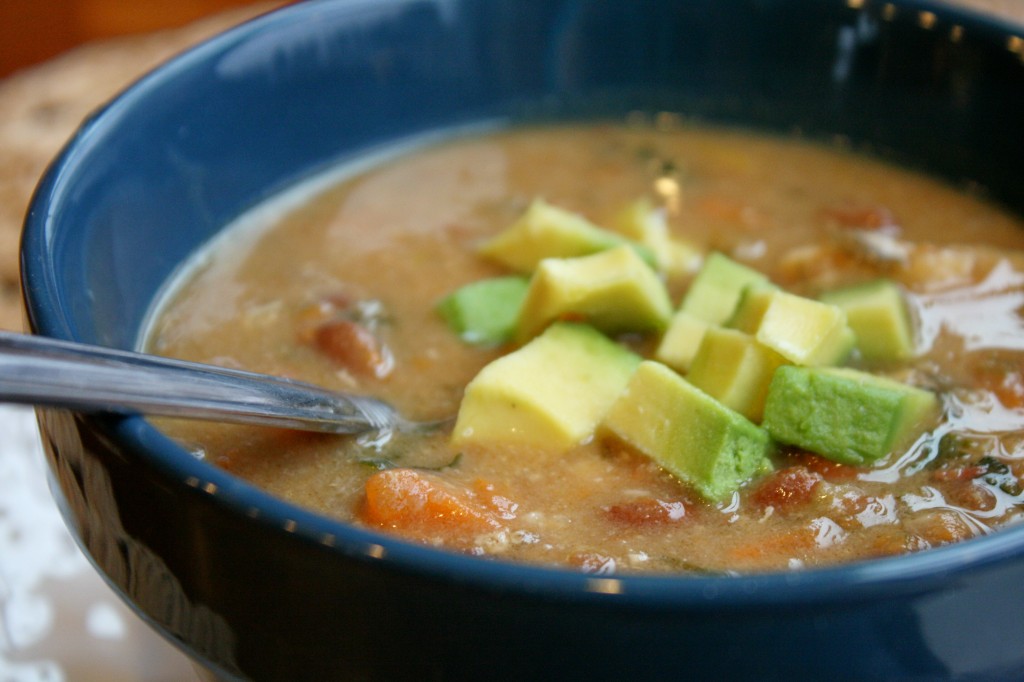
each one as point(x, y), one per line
point(693, 436)
point(680, 342)
point(546, 231)
point(846, 415)
point(644, 224)
point(878, 315)
point(614, 291)
point(716, 290)
point(802, 330)
point(550, 394)
point(485, 312)
point(734, 368)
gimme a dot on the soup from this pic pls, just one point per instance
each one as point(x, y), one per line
point(341, 286)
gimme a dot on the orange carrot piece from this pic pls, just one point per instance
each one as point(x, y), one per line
point(423, 505)
point(770, 548)
point(1008, 387)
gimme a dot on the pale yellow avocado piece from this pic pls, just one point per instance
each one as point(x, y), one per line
point(878, 315)
point(680, 342)
point(710, 301)
point(549, 394)
point(686, 431)
point(802, 330)
point(734, 368)
point(647, 225)
point(546, 231)
point(614, 291)
point(750, 310)
point(716, 290)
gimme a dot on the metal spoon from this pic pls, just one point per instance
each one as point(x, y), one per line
point(37, 370)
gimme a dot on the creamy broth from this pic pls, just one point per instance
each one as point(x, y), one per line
point(381, 248)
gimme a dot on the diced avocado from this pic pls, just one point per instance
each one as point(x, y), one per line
point(614, 291)
point(686, 431)
point(878, 315)
point(546, 231)
point(716, 289)
point(732, 367)
point(647, 225)
point(802, 330)
point(680, 342)
point(844, 414)
point(679, 257)
point(751, 307)
point(485, 312)
point(550, 394)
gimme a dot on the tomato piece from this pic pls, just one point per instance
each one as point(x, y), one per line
point(970, 495)
point(961, 473)
point(648, 511)
point(859, 217)
point(786, 488)
point(826, 468)
point(354, 347)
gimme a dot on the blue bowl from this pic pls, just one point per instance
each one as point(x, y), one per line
point(252, 587)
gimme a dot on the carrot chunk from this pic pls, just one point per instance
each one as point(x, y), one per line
point(774, 548)
point(940, 527)
point(1005, 380)
point(424, 506)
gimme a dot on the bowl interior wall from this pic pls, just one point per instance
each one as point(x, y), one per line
point(229, 125)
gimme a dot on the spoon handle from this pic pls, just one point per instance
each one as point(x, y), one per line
point(38, 370)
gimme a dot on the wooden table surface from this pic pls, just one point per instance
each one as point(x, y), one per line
point(40, 108)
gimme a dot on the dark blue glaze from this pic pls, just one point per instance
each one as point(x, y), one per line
point(253, 587)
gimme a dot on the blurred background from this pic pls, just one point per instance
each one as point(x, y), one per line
point(32, 31)
point(59, 60)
